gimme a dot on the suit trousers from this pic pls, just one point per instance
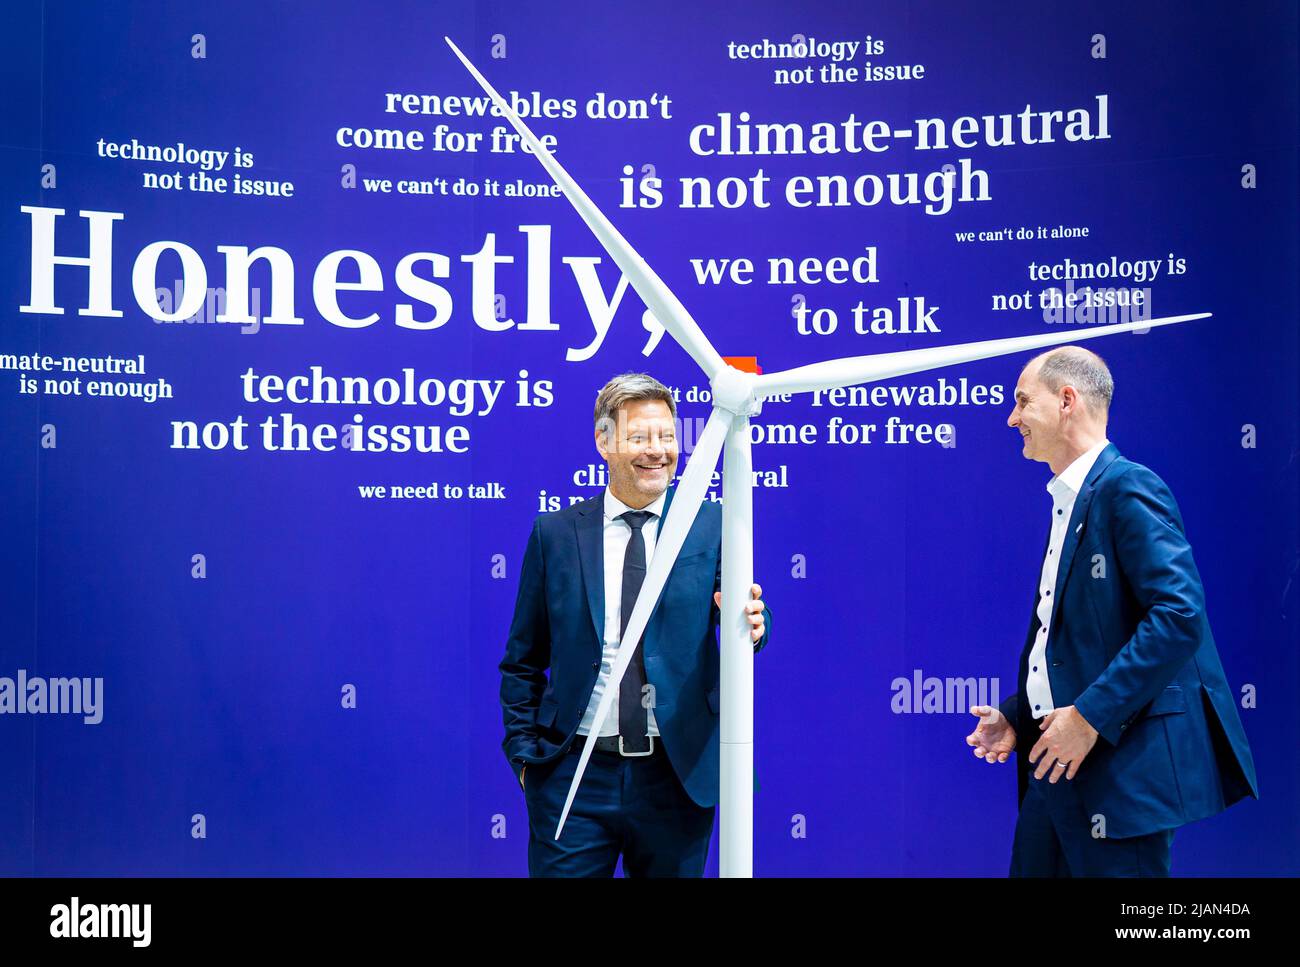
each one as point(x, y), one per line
point(633, 806)
point(1055, 837)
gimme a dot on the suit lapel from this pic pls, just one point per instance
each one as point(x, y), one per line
point(650, 640)
point(590, 525)
point(1078, 520)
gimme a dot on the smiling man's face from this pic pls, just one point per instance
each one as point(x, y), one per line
point(642, 457)
point(1037, 415)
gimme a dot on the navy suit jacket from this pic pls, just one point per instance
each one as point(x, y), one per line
point(559, 623)
point(1130, 648)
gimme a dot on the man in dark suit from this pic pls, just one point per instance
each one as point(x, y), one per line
point(1124, 723)
point(651, 787)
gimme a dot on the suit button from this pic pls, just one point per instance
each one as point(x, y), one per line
point(1123, 726)
point(595, 664)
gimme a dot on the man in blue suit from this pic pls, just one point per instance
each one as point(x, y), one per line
point(651, 788)
point(1124, 723)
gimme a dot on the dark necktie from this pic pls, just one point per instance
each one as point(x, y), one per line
point(633, 719)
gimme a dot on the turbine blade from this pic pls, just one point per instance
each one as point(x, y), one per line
point(866, 369)
point(652, 290)
point(672, 534)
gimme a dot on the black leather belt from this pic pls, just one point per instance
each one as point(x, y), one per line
point(610, 745)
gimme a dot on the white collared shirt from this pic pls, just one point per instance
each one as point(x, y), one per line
point(1064, 487)
point(617, 533)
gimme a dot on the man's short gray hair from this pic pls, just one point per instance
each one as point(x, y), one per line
point(627, 388)
point(1084, 370)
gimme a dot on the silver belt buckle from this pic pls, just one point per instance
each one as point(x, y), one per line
point(635, 755)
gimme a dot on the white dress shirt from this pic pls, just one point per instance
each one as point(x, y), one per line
point(1064, 487)
point(617, 534)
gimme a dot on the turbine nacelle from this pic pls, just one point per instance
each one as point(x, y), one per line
point(736, 391)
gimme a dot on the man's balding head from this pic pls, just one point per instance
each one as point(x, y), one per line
point(1084, 370)
point(1062, 401)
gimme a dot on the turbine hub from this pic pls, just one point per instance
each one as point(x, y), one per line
point(733, 391)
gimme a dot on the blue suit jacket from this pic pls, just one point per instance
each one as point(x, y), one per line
point(559, 624)
point(1130, 648)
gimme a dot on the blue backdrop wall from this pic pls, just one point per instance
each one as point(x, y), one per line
point(233, 600)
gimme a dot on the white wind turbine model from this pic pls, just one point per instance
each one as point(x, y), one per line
point(736, 397)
